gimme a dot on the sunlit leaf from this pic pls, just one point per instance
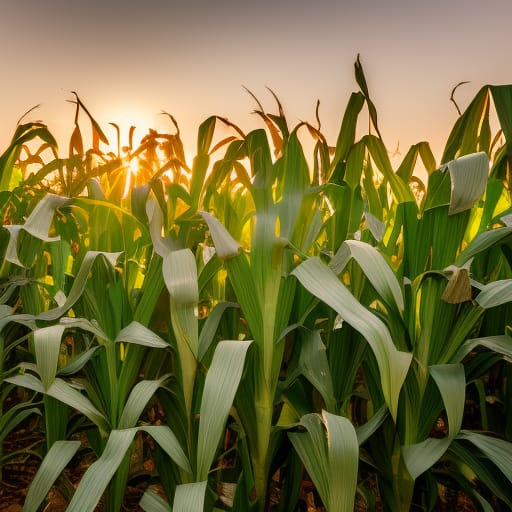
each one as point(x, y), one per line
point(468, 175)
point(225, 245)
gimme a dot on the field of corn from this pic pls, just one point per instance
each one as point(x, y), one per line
point(258, 328)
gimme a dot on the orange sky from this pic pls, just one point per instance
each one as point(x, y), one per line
point(130, 60)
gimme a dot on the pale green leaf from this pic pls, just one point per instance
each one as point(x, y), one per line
point(98, 475)
point(500, 344)
point(180, 275)
point(496, 450)
point(468, 175)
point(190, 497)
point(161, 245)
point(376, 226)
point(52, 465)
point(47, 349)
point(5, 311)
point(495, 294)
point(79, 283)
point(225, 245)
point(139, 397)
point(374, 266)
point(152, 502)
point(343, 453)
point(482, 242)
point(393, 364)
point(66, 394)
point(26, 380)
point(37, 224)
point(138, 334)
point(331, 457)
point(10, 419)
point(422, 456)
point(165, 437)
point(219, 392)
point(77, 363)
point(312, 450)
point(85, 325)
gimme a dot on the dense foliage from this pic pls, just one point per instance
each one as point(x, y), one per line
point(255, 318)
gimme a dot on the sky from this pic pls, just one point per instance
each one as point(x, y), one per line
point(129, 60)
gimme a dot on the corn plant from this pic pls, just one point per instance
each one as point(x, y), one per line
point(333, 315)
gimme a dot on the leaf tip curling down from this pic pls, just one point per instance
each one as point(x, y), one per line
point(225, 245)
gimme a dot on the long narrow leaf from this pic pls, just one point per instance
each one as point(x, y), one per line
point(219, 392)
point(98, 475)
point(54, 462)
point(393, 364)
point(190, 497)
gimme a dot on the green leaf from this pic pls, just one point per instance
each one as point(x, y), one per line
point(500, 344)
point(52, 465)
point(451, 381)
point(161, 245)
point(66, 394)
point(98, 475)
point(180, 275)
point(165, 437)
point(225, 245)
point(393, 364)
point(496, 450)
point(422, 456)
point(80, 283)
point(152, 502)
point(138, 334)
point(315, 367)
point(139, 397)
point(26, 380)
point(495, 294)
point(483, 242)
point(219, 392)
point(468, 176)
point(190, 497)
point(47, 348)
point(210, 326)
point(366, 430)
point(332, 460)
point(374, 266)
point(37, 224)
point(10, 419)
point(347, 133)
